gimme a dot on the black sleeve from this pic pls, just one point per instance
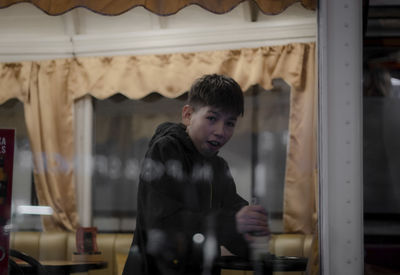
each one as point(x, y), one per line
point(232, 203)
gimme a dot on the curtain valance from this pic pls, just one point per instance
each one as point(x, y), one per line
point(160, 7)
point(172, 74)
point(49, 88)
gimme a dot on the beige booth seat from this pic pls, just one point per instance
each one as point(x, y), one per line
point(61, 245)
point(115, 247)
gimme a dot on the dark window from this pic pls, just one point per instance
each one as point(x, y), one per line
point(123, 128)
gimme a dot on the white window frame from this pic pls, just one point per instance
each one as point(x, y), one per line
point(83, 160)
point(340, 137)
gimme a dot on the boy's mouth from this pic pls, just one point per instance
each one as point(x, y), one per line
point(214, 144)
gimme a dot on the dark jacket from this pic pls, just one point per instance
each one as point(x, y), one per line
point(182, 193)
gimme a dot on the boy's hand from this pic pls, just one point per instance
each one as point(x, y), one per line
point(252, 219)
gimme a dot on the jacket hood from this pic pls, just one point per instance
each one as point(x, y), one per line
point(175, 130)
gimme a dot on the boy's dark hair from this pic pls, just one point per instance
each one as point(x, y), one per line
point(219, 91)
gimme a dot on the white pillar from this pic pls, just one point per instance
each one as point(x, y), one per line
point(340, 137)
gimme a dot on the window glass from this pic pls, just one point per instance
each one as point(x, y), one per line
point(381, 124)
point(122, 131)
point(23, 192)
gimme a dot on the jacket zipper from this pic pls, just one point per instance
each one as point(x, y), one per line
point(211, 194)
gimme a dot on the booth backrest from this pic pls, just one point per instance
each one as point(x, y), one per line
point(115, 247)
point(61, 245)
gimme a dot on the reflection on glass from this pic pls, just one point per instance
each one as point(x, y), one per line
point(124, 127)
point(122, 130)
point(23, 191)
point(381, 124)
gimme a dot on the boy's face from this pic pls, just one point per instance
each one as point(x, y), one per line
point(209, 128)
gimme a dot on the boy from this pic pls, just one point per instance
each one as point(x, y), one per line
point(186, 192)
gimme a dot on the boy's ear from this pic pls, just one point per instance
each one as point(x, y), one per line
point(187, 112)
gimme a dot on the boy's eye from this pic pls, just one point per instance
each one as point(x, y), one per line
point(231, 124)
point(211, 118)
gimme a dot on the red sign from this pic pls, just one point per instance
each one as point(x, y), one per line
point(7, 137)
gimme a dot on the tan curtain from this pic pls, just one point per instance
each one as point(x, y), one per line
point(160, 7)
point(42, 87)
point(50, 126)
point(14, 81)
point(55, 84)
point(300, 195)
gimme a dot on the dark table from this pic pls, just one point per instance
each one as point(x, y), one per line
point(267, 265)
point(63, 267)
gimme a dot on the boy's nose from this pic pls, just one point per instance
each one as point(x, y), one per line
point(219, 130)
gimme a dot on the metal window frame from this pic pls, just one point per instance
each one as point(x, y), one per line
point(340, 136)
